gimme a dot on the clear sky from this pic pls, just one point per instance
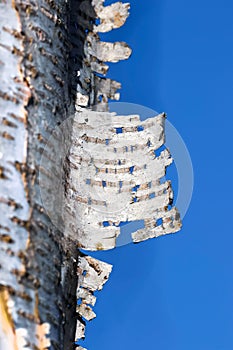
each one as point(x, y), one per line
point(176, 292)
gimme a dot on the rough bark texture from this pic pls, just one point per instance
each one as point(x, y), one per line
point(52, 66)
point(34, 98)
point(42, 49)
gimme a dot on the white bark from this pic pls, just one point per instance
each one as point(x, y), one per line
point(118, 181)
point(50, 53)
point(38, 90)
point(33, 98)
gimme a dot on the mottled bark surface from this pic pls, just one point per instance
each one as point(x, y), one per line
point(47, 68)
point(34, 94)
point(53, 66)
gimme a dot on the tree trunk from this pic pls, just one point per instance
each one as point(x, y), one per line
point(52, 67)
point(41, 50)
point(34, 98)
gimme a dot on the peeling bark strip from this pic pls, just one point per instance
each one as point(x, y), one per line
point(53, 65)
point(93, 274)
point(93, 89)
point(117, 176)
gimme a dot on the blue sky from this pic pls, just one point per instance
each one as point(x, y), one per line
point(176, 292)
